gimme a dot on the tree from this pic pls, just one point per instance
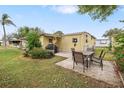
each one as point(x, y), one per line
point(121, 21)
point(16, 35)
point(38, 30)
point(5, 20)
point(33, 40)
point(23, 31)
point(112, 33)
point(119, 38)
point(119, 50)
point(100, 12)
point(11, 36)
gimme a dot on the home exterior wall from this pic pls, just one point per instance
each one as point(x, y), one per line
point(10, 45)
point(23, 44)
point(65, 42)
point(58, 43)
point(17, 44)
point(91, 41)
point(44, 41)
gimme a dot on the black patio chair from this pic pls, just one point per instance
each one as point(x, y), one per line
point(99, 59)
point(78, 58)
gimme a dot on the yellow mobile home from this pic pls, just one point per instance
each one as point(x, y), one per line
point(64, 43)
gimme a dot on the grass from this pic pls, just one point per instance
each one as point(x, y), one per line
point(108, 56)
point(18, 71)
point(1, 47)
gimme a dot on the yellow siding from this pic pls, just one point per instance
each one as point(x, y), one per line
point(58, 43)
point(41, 40)
point(90, 39)
point(44, 41)
point(66, 43)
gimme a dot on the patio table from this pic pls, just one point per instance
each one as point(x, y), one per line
point(88, 54)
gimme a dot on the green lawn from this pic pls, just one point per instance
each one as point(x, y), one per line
point(108, 55)
point(1, 47)
point(17, 71)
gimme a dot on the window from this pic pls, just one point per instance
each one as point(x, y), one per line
point(74, 40)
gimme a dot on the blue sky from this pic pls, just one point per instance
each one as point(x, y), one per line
point(54, 18)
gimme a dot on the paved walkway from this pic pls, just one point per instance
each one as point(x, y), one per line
point(108, 74)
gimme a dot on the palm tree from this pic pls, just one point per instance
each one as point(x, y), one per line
point(5, 20)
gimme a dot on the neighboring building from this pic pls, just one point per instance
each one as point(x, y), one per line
point(79, 41)
point(19, 43)
point(14, 42)
point(102, 43)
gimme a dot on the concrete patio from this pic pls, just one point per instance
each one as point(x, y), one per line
point(108, 74)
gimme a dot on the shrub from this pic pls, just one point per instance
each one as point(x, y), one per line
point(38, 53)
point(119, 57)
point(25, 53)
point(33, 40)
point(119, 51)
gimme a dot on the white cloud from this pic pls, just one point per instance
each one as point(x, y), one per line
point(65, 9)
